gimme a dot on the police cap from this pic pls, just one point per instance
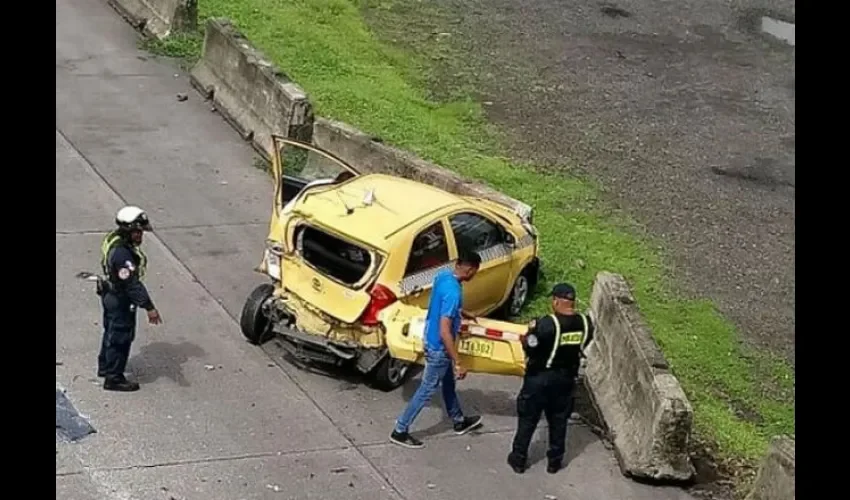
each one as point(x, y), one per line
point(564, 291)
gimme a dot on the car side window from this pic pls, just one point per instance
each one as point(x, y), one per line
point(475, 233)
point(429, 249)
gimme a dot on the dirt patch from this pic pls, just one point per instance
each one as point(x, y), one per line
point(684, 117)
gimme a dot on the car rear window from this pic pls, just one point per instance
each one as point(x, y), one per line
point(333, 257)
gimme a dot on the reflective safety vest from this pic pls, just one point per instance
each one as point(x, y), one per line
point(111, 241)
point(566, 338)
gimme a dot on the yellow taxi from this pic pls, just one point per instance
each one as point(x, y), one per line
point(351, 258)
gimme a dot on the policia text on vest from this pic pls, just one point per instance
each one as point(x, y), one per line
point(554, 348)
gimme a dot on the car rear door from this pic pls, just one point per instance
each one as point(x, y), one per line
point(486, 346)
point(473, 231)
point(428, 255)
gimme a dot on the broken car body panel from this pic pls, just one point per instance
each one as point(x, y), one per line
point(484, 346)
point(343, 301)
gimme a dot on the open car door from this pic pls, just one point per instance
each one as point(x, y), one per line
point(294, 165)
point(485, 346)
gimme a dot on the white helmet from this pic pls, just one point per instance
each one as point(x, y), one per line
point(131, 217)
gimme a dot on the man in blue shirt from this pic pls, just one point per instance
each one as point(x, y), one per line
point(445, 310)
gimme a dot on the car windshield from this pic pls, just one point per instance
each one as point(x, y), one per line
point(308, 164)
point(333, 257)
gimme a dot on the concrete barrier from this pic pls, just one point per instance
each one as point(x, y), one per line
point(249, 91)
point(159, 18)
point(776, 476)
point(372, 156)
point(642, 404)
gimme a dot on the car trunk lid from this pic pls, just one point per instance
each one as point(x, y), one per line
point(330, 271)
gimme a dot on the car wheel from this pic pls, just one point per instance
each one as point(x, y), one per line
point(253, 322)
point(520, 293)
point(390, 373)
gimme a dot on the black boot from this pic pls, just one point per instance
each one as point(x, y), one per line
point(120, 384)
point(516, 464)
point(553, 466)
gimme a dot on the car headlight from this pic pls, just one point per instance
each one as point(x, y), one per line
point(272, 260)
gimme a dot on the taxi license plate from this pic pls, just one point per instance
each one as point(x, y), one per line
point(272, 265)
point(475, 347)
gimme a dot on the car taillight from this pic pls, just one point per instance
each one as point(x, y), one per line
point(381, 298)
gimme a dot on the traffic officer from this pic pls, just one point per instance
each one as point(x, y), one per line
point(122, 292)
point(553, 347)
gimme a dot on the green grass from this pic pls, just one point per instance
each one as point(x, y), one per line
point(740, 398)
point(185, 46)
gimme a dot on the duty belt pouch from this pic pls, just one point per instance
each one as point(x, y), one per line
point(103, 287)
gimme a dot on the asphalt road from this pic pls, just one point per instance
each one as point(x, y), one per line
point(218, 419)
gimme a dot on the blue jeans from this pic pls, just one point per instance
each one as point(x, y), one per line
point(438, 368)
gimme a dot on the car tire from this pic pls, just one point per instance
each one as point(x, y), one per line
point(519, 296)
point(390, 374)
point(253, 322)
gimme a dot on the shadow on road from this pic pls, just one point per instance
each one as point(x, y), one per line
point(485, 403)
point(164, 359)
point(499, 403)
point(578, 438)
point(503, 404)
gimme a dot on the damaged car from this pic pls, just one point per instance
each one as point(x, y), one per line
point(351, 257)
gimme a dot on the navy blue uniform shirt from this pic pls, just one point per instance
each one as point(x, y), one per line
point(123, 266)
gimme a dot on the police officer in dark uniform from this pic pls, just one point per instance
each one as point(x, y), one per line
point(554, 347)
point(122, 292)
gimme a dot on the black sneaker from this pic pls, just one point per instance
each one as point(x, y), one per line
point(120, 385)
point(468, 424)
point(553, 467)
point(406, 440)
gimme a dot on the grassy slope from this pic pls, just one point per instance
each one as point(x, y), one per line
point(325, 47)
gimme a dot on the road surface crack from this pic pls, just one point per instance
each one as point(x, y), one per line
point(207, 460)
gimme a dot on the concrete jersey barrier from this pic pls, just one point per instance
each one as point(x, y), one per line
point(776, 476)
point(369, 155)
point(159, 18)
point(249, 91)
point(641, 402)
point(258, 100)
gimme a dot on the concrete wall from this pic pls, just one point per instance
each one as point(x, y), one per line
point(776, 477)
point(249, 91)
point(159, 18)
point(372, 156)
point(642, 404)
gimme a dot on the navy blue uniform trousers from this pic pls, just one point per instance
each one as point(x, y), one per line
point(119, 331)
point(550, 394)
